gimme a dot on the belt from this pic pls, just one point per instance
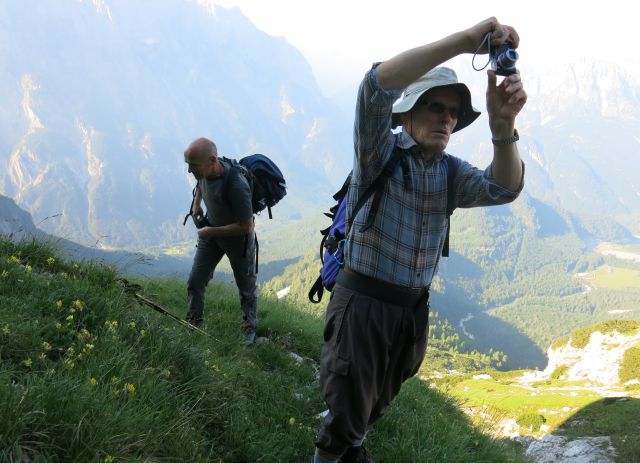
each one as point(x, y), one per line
point(378, 289)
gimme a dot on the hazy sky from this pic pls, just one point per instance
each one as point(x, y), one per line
point(341, 38)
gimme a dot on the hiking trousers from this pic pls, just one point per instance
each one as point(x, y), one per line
point(370, 348)
point(241, 253)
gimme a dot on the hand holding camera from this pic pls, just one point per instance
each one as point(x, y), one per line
point(503, 59)
point(201, 221)
point(500, 42)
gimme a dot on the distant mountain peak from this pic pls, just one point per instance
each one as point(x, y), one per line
point(603, 88)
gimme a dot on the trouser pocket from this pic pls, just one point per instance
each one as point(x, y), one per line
point(335, 353)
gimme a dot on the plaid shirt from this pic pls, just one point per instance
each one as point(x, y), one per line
point(404, 244)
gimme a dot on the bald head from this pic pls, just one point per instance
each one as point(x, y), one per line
point(201, 149)
point(202, 157)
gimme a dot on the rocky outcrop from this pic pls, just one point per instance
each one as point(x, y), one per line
point(599, 361)
point(555, 449)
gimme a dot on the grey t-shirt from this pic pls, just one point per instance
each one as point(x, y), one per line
point(236, 207)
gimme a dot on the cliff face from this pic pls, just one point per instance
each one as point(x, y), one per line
point(599, 361)
point(101, 97)
point(14, 221)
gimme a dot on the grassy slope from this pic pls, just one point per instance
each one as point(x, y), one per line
point(568, 409)
point(86, 374)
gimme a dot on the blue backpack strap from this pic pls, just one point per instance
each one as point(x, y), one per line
point(451, 168)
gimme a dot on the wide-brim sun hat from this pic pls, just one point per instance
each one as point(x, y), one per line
point(437, 77)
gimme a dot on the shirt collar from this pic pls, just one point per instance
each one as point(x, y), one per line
point(404, 141)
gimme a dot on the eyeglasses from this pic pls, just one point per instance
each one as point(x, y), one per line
point(439, 108)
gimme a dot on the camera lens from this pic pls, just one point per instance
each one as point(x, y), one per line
point(508, 59)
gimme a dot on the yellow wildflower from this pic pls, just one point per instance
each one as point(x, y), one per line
point(78, 304)
point(46, 346)
point(108, 459)
point(51, 261)
point(111, 325)
point(69, 318)
point(42, 356)
point(132, 324)
point(64, 275)
point(59, 304)
point(292, 421)
point(13, 260)
point(27, 268)
point(115, 379)
point(142, 333)
point(58, 325)
point(93, 381)
point(130, 388)
point(27, 362)
point(5, 330)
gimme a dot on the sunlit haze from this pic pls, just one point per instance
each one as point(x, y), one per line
point(341, 39)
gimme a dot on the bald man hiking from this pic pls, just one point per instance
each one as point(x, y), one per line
point(227, 229)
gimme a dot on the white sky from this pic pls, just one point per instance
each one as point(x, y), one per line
point(341, 38)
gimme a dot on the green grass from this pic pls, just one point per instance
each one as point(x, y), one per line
point(89, 375)
point(558, 404)
point(615, 417)
point(580, 337)
point(630, 367)
point(610, 277)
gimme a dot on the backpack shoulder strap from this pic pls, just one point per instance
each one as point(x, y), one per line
point(451, 168)
point(377, 187)
point(231, 169)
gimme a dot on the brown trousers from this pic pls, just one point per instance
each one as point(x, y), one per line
point(370, 348)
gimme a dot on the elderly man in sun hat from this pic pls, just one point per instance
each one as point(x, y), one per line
point(376, 324)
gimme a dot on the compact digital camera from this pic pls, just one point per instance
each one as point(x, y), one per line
point(201, 221)
point(503, 59)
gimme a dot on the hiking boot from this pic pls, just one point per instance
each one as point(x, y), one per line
point(197, 322)
point(249, 339)
point(356, 455)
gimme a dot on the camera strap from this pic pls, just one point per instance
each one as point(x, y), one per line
point(487, 38)
point(190, 207)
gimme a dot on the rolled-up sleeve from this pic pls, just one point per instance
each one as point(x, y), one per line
point(373, 141)
point(475, 187)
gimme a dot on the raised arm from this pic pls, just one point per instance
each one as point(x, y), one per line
point(404, 68)
point(504, 102)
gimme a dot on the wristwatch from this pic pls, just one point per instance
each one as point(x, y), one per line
point(506, 141)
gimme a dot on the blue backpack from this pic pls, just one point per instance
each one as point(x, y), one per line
point(265, 179)
point(334, 237)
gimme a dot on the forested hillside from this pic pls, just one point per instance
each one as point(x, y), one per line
point(515, 280)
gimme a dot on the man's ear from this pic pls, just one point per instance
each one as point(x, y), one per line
point(405, 119)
